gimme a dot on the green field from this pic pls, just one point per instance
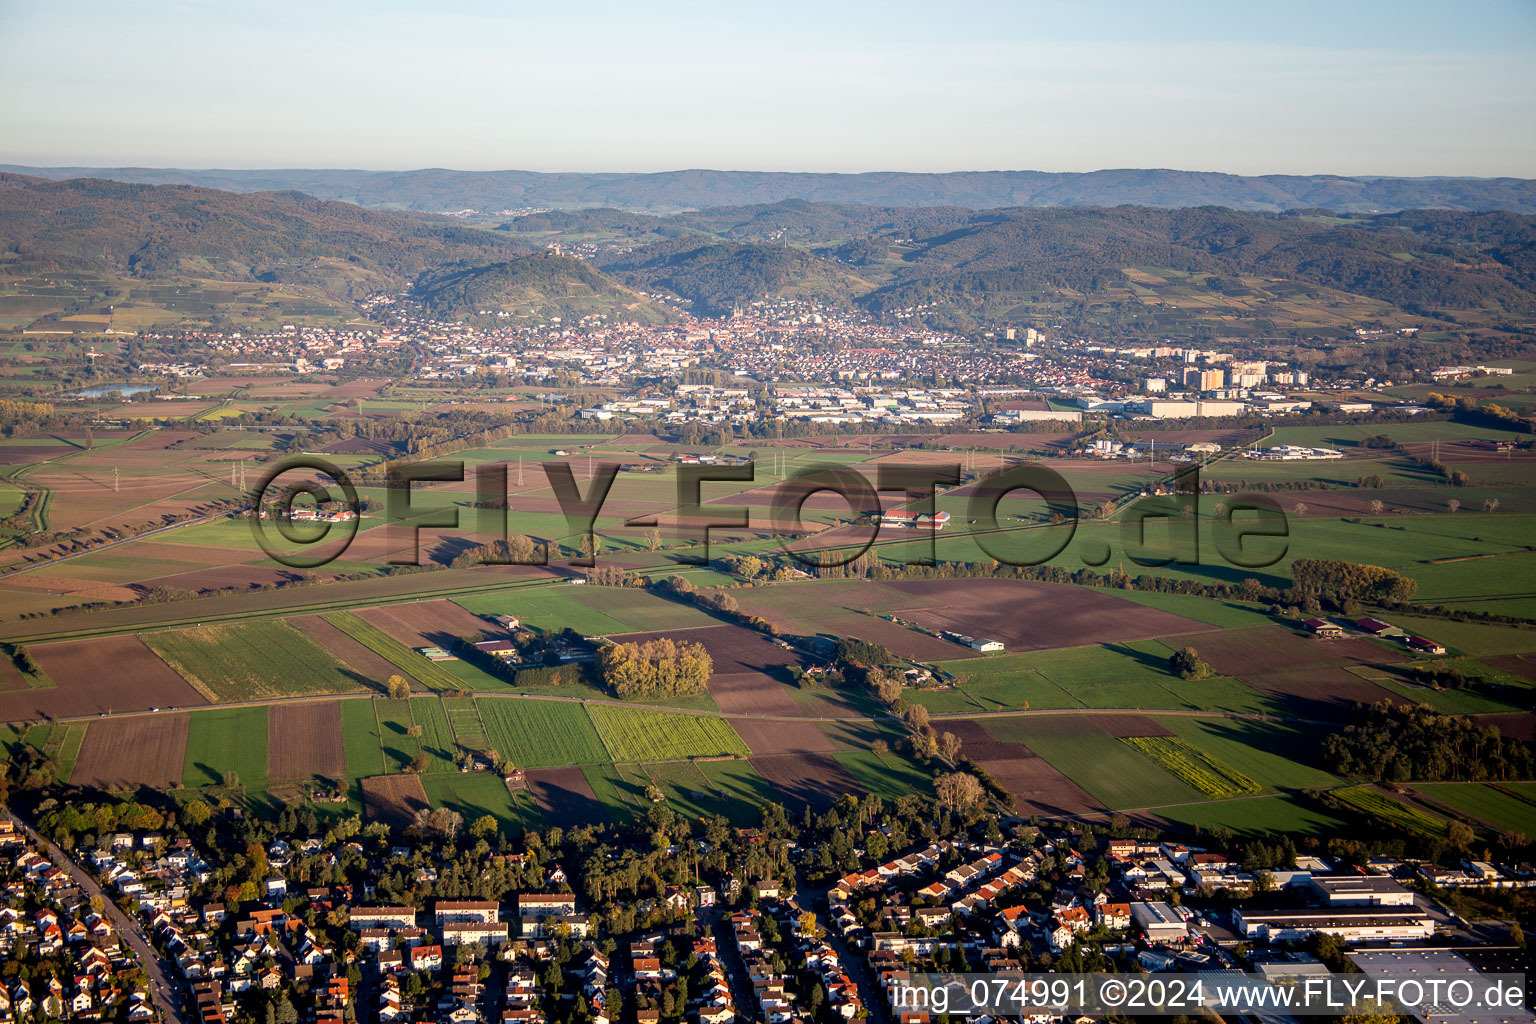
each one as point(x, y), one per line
point(1484, 802)
point(1118, 776)
point(1207, 774)
point(464, 721)
point(225, 740)
point(548, 609)
point(251, 661)
point(1226, 614)
point(643, 735)
point(64, 748)
point(642, 611)
point(1129, 675)
point(1376, 804)
point(395, 721)
point(886, 775)
point(541, 733)
point(476, 794)
point(1262, 751)
point(621, 796)
point(436, 733)
point(360, 736)
point(1265, 815)
point(1010, 682)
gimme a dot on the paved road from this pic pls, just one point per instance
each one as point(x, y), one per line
point(164, 992)
point(854, 961)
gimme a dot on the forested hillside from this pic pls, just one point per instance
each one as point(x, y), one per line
point(442, 190)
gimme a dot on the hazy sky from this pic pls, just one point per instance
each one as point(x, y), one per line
point(1400, 87)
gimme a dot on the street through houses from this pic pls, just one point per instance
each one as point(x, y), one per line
point(165, 990)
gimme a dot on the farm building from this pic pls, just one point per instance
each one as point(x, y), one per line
point(1375, 627)
point(502, 650)
point(507, 622)
point(1424, 645)
point(907, 518)
point(972, 642)
point(1322, 627)
point(435, 654)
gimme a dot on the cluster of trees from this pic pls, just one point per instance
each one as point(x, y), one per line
point(655, 668)
point(1186, 663)
point(1467, 409)
point(1339, 583)
point(1396, 744)
point(517, 549)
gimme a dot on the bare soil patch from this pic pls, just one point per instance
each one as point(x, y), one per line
point(565, 797)
point(426, 623)
point(806, 780)
point(1519, 725)
point(142, 750)
point(304, 740)
point(771, 737)
point(734, 649)
point(1309, 674)
point(751, 693)
point(1123, 726)
point(110, 673)
point(1029, 616)
point(351, 653)
point(394, 799)
point(979, 745)
point(1038, 788)
point(1522, 665)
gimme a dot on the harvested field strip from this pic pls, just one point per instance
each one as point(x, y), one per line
point(565, 797)
point(395, 722)
point(65, 748)
point(1205, 773)
point(393, 799)
point(144, 750)
point(251, 661)
point(227, 740)
point(370, 663)
point(436, 739)
point(643, 735)
point(541, 734)
point(1376, 804)
point(464, 718)
point(413, 665)
point(305, 740)
point(360, 737)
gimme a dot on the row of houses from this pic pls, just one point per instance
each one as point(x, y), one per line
point(79, 970)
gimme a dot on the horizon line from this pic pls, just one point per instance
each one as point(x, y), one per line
point(15, 167)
